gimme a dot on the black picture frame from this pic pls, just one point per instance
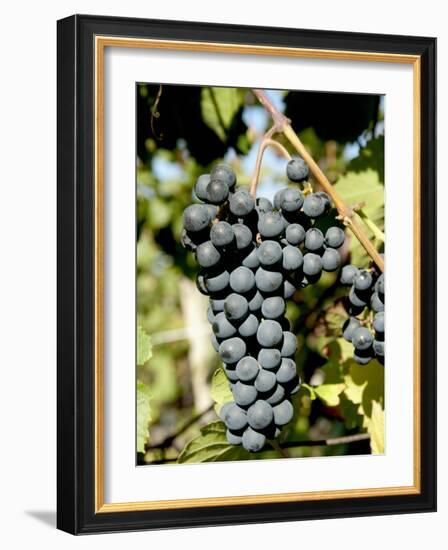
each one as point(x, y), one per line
point(76, 272)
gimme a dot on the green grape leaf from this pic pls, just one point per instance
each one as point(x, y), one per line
point(363, 187)
point(329, 393)
point(220, 390)
point(143, 415)
point(144, 347)
point(375, 427)
point(370, 156)
point(211, 446)
point(219, 106)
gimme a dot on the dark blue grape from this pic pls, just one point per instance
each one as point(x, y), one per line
point(297, 170)
point(269, 254)
point(378, 347)
point(253, 441)
point(269, 358)
point(277, 396)
point(196, 217)
point(268, 281)
point(265, 381)
point(233, 417)
point(273, 307)
point(363, 280)
point(217, 192)
point(241, 203)
point(244, 394)
point(378, 322)
point(376, 303)
point(224, 173)
point(288, 290)
point(312, 264)
point(222, 327)
point(292, 258)
point(216, 282)
point(217, 305)
point(270, 225)
point(295, 234)
point(349, 328)
point(269, 334)
point(256, 302)
point(331, 259)
point(264, 205)
point(243, 235)
point(278, 197)
point(230, 373)
point(242, 280)
point(362, 338)
point(232, 350)
point(356, 299)
point(236, 307)
point(314, 239)
point(287, 371)
point(260, 415)
point(221, 234)
point(247, 369)
point(334, 237)
point(200, 187)
point(283, 413)
point(251, 259)
point(233, 439)
point(314, 205)
point(207, 255)
point(348, 274)
point(249, 327)
point(289, 345)
point(292, 200)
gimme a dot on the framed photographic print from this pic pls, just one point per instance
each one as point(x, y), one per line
point(228, 200)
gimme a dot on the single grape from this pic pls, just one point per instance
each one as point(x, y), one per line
point(363, 280)
point(295, 234)
point(313, 205)
point(273, 307)
point(260, 414)
point(292, 258)
point(269, 334)
point(312, 264)
point(331, 259)
point(334, 237)
point(233, 417)
point(349, 328)
point(223, 172)
point(376, 303)
point(217, 192)
point(289, 345)
point(253, 441)
point(222, 327)
point(249, 327)
point(216, 282)
point(378, 322)
point(268, 281)
point(292, 200)
point(265, 381)
point(247, 369)
point(270, 225)
point(348, 274)
point(314, 239)
point(244, 394)
point(232, 350)
point(243, 235)
point(297, 170)
point(233, 439)
point(278, 197)
point(362, 338)
point(196, 217)
point(362, 359)
point(241, 203)
point(277, 396)
point(378, 347)
point(269, 253)
point(269, 358)
point(251, 259)
point(242, 280)
point(264, 205)
point(211, 209)
point(287, 371)
point(221, 234)
point(207, 255)
point(256, 302)
point(200, 187)
point(236, 307)
point(283, 413)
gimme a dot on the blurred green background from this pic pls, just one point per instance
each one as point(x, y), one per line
point(182, 131)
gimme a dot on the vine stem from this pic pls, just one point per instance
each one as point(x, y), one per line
point(283, 125)
point(265, 143)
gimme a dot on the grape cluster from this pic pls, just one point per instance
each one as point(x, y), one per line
point(253, 255)
point(366, 300)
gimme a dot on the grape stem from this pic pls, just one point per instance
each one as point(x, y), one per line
point(283, 125)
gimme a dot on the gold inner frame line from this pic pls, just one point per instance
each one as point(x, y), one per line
point(101, 42)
